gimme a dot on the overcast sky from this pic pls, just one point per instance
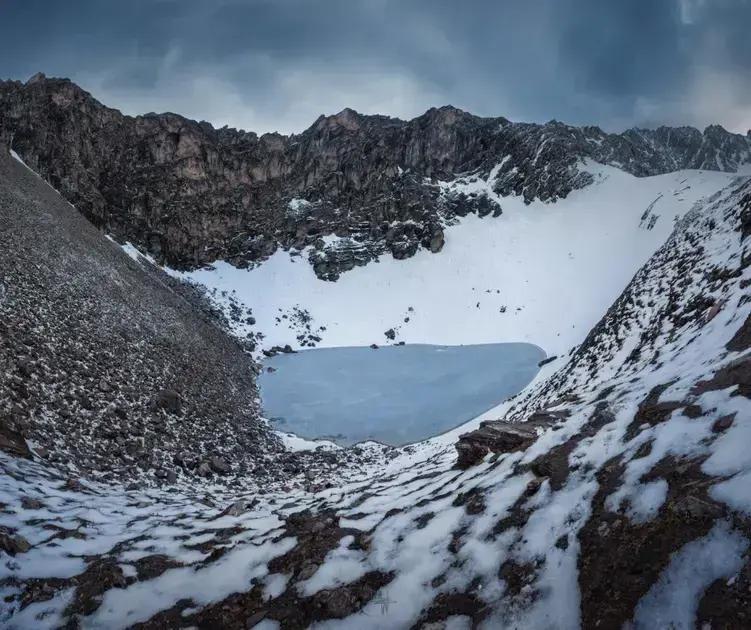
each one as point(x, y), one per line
point(266, 65)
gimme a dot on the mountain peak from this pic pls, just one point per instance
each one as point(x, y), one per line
point(348, 119)
point(715, 129)
point(36, 78)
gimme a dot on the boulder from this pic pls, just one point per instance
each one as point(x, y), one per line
point(11, 441)
point(499, 436)
point(436, 241)
point(13, 544)
point(239, 507)
point(167, 399)
point(29, 503)
point(219, 465)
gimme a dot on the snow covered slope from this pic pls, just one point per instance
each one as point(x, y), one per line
point(542, 273)
point(630, 509)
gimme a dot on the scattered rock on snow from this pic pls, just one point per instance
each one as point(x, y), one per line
point(13, 544)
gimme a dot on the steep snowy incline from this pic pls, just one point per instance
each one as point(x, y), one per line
point(542, 273)
point(623, 500)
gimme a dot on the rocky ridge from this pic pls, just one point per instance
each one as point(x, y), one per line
point(346, 190)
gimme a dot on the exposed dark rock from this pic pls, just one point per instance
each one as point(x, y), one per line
point(723, 423)
point(188, 193)
point(317, 534)
point(99, 577)
point(13, 544)
point(652, 412)
point(736, 373)
point(169, 400)
point(727, 603)
point(424, 519)
point(693, 411)
point(554, 464)
point(473, 501)
point(619, 559)
point(499, 436)
point(219, 465)
point(742, 339)
point(28, 503)
point(149, 567)
point(238, 507)
point(41, 590)
point(446, 605)
point(516, 575)
point(546, 361)
point(12, 441)
point(436, 242)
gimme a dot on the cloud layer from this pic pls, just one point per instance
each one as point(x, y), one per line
point(270, 65)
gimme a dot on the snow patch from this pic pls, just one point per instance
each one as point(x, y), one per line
point(542, 273)
point(673, 601)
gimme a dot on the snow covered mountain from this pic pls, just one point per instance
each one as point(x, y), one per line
point(189, 194)
point(619, 498)
point(541, 272)
point(141, 489)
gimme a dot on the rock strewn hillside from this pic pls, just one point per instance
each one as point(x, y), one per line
point(190, 194)
point(111, 368)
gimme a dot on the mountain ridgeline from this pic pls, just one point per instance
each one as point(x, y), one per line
point(190, 194)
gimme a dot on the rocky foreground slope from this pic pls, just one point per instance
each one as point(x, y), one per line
point(190, 194)
point(110, 368)
point(623, 500)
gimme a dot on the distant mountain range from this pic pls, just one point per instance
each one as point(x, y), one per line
point(190, 194)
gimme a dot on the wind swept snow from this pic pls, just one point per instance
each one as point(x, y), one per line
point(542, 273)
point(672, 602)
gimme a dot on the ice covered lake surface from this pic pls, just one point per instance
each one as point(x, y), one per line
point(395, 394)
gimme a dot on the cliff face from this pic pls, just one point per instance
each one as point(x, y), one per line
point(191, 194)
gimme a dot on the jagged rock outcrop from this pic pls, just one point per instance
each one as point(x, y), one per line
point(498, 436)
point(190, 194)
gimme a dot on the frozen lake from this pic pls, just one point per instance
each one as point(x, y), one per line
point(395, 394)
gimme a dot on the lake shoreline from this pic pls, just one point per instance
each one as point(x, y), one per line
point(429, 389)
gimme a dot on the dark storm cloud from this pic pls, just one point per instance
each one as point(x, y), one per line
point(277, 64)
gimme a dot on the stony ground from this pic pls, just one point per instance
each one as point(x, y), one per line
point(627, 504)
point(108, 368)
